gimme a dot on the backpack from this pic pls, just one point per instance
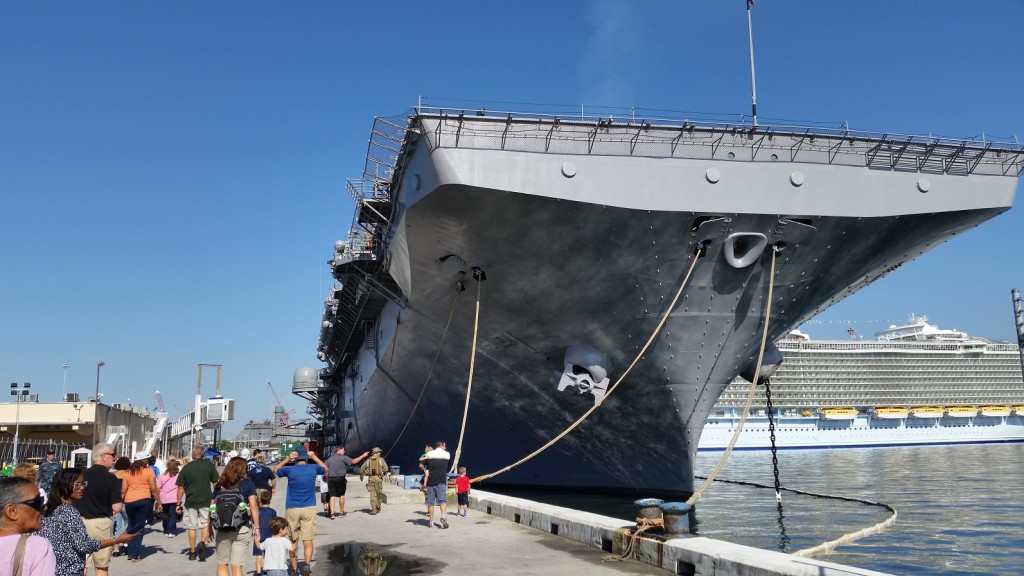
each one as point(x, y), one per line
point(230, 515)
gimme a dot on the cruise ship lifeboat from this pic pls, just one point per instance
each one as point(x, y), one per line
point(927, 412)
point(839, 413)
point(998, 411)
point(961, 411)
point(891, 413)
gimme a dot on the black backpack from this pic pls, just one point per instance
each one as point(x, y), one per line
point(228, 516)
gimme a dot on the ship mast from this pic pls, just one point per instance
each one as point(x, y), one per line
point(753, 80)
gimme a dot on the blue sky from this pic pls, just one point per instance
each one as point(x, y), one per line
point(172, 174)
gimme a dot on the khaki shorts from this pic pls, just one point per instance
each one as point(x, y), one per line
point(233, 546)
point(99, 529)
point(302, 522)
point(195, 518)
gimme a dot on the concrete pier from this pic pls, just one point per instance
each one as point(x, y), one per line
point(500, 536)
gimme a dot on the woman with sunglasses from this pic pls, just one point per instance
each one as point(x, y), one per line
point(64, 528)
point(21, 509)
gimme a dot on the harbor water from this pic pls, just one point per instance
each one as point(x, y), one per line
point(960, 509)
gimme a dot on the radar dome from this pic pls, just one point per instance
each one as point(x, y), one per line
point(305, 378)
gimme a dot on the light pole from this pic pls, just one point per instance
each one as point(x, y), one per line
point(64, 386)
point(96, 401)
point(19, 394)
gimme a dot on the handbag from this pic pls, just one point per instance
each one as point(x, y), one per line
point(19, 556)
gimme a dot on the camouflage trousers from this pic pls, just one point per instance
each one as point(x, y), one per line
point(375, 485)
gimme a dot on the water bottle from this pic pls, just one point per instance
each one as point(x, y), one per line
point(213, 508)
point(241, 507)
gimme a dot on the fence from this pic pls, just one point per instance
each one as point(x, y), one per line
point(33, 450)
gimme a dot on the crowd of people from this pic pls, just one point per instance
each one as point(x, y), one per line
point(56, 520)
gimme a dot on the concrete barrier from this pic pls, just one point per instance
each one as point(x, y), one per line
point(691, 555)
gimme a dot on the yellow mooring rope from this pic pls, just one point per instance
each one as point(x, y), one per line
point(664, 318)
point(469, 383)
point(440, 346)
point(750, 394)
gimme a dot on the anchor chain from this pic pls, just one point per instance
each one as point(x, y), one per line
point(771, 435)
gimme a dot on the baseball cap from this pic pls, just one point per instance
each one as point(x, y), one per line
point(142, 455)
point(303, 455)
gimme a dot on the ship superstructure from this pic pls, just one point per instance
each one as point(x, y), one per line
point(574, 232)
point(914, 384)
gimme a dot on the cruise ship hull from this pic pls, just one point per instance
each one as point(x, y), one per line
point(808, 432)
point(567, 251)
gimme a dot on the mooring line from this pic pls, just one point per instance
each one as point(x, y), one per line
point(750, 394)
point(430, 372)
point(472, 368)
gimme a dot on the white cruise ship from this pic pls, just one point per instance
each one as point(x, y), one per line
point(915, 384)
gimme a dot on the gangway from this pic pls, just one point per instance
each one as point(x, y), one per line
point(208, 415)
point(115, 434)
point(158, 429)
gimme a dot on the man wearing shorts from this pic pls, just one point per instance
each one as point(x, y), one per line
point(300, 501)
point(195, 490)
point(435, 483)
point(337, 466)
point(100, 500)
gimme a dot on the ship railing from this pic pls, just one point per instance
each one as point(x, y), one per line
point(653, 133)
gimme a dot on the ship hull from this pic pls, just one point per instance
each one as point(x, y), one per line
point(589, 250)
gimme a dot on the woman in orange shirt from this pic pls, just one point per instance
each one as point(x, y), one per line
point(138, 491)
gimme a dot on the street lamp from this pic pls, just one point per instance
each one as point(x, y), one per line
point(19, 394)
point(64, 386)
point(96, 401)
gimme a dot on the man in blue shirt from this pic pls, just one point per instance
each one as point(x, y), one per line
point(263, 477)
point(300, 501)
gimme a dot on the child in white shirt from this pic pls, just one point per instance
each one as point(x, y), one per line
point(277, 549)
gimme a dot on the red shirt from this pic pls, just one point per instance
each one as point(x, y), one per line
point(462, 484)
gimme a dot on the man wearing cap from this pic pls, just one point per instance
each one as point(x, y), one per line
point(300, 503)
point(262, 477)
point(337, 466)
point(195, 490)
point(375, 468)
point(48, 470)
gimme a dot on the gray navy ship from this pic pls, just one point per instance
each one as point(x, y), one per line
point(540, 254)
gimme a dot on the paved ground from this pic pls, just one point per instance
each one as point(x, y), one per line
point(397, 541)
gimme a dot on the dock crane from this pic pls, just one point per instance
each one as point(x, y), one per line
point(284, 417)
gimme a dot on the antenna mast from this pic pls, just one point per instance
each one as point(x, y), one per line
point(753, 80)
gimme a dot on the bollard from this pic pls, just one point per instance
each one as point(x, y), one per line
point(676, 516)
point(648, 512)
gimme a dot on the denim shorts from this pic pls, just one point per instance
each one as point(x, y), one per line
point(437, 495)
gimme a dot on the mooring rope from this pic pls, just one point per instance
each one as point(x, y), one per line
point(440, 346)
point(657, 329)
point(472, 369)
point(828, 547)
point(632, 549)
point(750, 395)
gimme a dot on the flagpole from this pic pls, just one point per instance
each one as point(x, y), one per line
point(753, 80)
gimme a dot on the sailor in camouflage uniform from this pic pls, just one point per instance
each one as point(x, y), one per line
point(374, 468)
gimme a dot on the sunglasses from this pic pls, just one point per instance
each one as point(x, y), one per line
point(35, 503)
point(81, 484)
